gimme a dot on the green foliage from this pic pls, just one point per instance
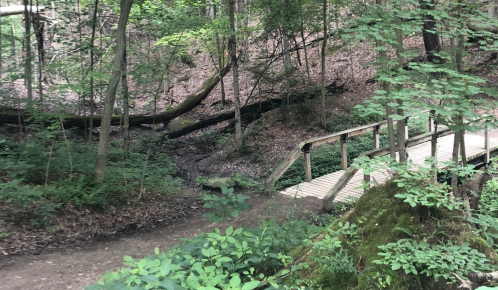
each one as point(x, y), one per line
point(238, 259)
point(421, 258)
point(487, 227)
point(417, 189)
point(332, 256)
point(489, 202)
point(228, 205)
point(435, 86)
point(48, 172)
point(243, 180)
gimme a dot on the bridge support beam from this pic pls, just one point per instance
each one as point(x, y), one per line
point(406, 127)
point(307, 161)
point(487, 156)
point(376, 136)
point(432, 116)
point(344, 152)
point(366, 179)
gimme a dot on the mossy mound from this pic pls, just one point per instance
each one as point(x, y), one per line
point(381, 219)
point(218, 182)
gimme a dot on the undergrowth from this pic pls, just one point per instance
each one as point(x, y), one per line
point(49, 171)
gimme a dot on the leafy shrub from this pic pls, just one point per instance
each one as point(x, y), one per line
point(439, 261)
point(245, 181)
point(48, 172)
point(238, 259)
point(489, 202)
point(225, 206)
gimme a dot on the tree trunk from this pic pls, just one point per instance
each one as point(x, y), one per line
point(431, 39)
point(493, 8)
point(400, 125)
point(111, 90)
point(232, 42)
point(220, 47)
point(92, 63)
point(286, 52)
point(324, 49)
point(1, 61)
point(389, 111)
point(126, 107)
point(13, 52)
point(246, 34)
point(39, 34)
point(28, 66)
point(304, 46)
point(456, 119)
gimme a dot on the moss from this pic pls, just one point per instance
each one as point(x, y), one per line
point(179, 124)
point(383, 219)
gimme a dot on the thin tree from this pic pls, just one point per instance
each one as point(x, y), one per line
point(324, 48)
point(28, 66)
point(429, 34)
point(232, 42)
point(400, 125)
point(92, 64)
point(105, 127)
point(386, 86)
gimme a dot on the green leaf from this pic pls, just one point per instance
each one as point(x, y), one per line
point(229, 231)
point(250, 285)
point(170, 284)
point(235, 281)
point(128, 258)
point(150, 279)
point(396, 266)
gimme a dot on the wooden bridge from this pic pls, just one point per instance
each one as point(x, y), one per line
point(339, 186)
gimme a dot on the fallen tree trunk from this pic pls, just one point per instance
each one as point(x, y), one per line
point(11, 116)
point(255, 109)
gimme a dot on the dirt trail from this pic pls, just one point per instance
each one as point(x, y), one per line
point(78, 267)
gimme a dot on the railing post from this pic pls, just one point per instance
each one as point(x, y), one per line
point(376, 136)
point(406, 127)
point(366, 179)
point(307, 161)
point(434, 154)
point(344, 152)
point(432, 116)
point(486, 146)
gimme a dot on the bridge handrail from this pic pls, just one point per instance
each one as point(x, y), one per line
point(351, 171)
point(342, 135)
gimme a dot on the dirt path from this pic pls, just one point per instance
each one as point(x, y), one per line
point(79, 267)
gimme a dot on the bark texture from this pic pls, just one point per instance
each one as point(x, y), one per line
point(111, 90)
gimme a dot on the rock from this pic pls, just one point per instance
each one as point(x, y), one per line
point(218, 182)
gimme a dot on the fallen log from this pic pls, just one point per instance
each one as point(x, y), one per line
point(19, 9)
point(255, 109)
point(11, 116)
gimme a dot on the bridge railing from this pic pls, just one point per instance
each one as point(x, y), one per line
point(342, 136)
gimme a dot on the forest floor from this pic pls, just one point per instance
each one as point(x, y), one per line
point(75, 267)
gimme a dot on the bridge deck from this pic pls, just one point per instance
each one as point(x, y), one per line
point(319, 187)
